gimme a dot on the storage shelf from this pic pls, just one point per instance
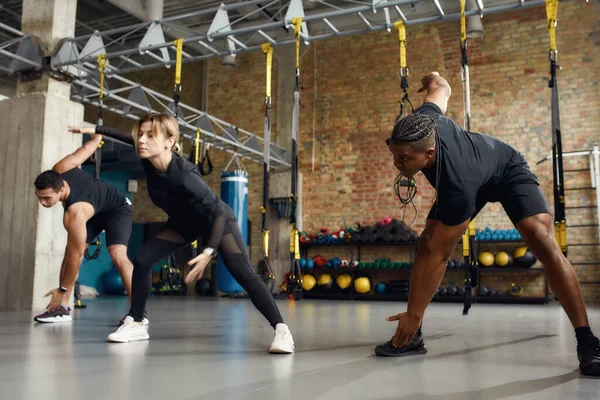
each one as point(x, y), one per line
point(499, 241)
point(316, 244)
point(510, 299)
point(404, 297)
point(510, 269)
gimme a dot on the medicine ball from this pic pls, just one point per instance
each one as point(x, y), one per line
point(502, 259)
point(320, 261)
point(362, 285)
point(486, 259)
point(203, 287)
point(343, 281)
point(310, 263)
point(381, 287)
point(523, 257)
point(308, 282)
point(112, 282)
point(303, 263)
point(325, 281)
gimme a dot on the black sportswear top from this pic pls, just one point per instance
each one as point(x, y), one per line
point(471, 166)
point(102, 196)
point(182, 193)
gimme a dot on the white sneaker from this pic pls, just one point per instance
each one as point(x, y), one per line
point(130, 331)
point(283, 342)
point(145, 321)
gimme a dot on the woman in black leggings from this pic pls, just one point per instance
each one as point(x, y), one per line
point(195, 213)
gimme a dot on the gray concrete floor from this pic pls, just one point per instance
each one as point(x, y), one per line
point(217, 349)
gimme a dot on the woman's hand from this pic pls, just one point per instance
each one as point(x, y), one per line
point(199, 264)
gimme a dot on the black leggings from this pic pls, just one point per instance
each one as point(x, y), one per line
point(232, 250)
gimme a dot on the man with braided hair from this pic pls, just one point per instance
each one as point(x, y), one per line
point(469, 170)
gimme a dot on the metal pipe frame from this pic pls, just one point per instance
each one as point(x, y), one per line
point(220, 141)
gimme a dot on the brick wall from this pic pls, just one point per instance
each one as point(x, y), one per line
point(349, 103)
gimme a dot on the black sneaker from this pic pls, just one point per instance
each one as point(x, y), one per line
point(61, 314)
point(589, 357)
point(417, 346)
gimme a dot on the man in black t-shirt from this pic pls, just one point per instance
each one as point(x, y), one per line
point(91, 206)
point(468, 170)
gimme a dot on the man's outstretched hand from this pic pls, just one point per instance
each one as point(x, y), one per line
point(408, 325)
point(426, 81)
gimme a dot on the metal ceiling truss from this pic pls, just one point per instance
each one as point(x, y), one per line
point(77, 57)
point(223, 37)
point(130, 99)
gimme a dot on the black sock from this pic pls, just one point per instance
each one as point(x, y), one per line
point(583, 331)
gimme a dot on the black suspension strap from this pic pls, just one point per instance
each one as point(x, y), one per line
point(294, 283)
point(97, 157)
point(177, 86)
point(404, 100)
point(560, 217)
point(265, 266)
point(468, 241)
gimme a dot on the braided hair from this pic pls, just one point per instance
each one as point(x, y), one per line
point(421, 132)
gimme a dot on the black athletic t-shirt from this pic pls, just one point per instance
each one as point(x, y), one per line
point(471, 166)
point(100, 195)
point(181, 192)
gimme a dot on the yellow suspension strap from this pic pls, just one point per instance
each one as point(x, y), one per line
point(177, 87)
point(470, 256)
point(560, 218)
point(264, 267)
point(196, 158)
point(404, 101)
point(97, 157)
point(294, 284)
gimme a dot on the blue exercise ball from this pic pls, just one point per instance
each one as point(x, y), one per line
point(112, 282)
point(310, 263)
point(303, 263)
point(381, 287)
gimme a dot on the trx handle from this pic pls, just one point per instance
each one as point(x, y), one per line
point(197, 150)
point(552, 13)
point(266, 243)
point(206, 159)
point(560, 233)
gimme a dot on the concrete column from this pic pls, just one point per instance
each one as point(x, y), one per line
point(32, 238)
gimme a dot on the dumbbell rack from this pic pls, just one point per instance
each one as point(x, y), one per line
point(357, 272)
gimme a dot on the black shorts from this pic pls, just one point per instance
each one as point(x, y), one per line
point(519, 193)
point(115, 223)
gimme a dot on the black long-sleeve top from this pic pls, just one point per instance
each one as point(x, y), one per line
point(182, 193)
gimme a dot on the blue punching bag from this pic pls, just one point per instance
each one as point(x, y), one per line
point(234, 192)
